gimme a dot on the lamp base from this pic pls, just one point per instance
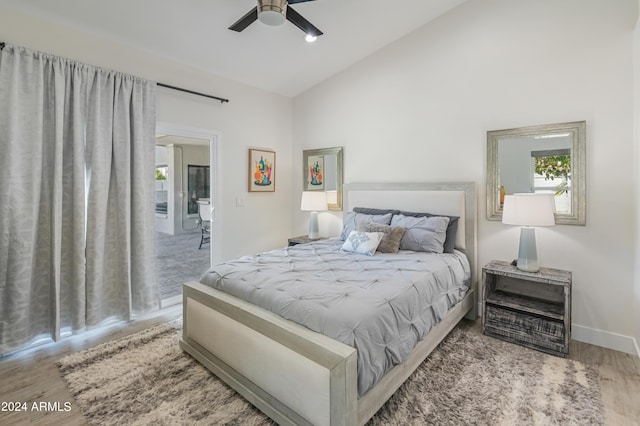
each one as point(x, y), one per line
point(314, 233)
point(527, 253)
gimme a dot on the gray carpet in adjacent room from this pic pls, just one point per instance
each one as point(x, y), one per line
point(179, 260)
point(469, 379)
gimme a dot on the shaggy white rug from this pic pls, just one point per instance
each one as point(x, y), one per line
point(145, 378)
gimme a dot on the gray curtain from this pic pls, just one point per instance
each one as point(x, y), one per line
point(77, 240)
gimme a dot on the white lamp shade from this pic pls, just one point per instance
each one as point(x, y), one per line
point(529, 210)
point(313, 201)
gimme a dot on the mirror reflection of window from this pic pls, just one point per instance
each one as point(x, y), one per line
point(545, 158)
point(517, 166)
point(551, 174)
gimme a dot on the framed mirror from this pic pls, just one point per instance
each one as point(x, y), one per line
point(541, 159)
point(322, 171)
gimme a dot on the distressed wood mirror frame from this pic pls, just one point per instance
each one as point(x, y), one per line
point(330, 163)
point(576, 131)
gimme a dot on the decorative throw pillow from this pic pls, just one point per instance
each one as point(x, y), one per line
point(452, 228)
point(392, 235)
point(423, 233)
point(363, 242)
point(353, 221)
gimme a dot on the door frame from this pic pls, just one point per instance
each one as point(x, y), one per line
point(214, 137)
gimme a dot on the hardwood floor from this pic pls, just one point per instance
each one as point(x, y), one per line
point(32, 376)
point(619, 381)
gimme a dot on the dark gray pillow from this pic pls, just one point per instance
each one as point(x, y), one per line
point(367, 210)
point(452, 228)
point(392, 236)
point(353, 221)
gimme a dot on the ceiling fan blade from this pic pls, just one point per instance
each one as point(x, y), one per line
point(300, 22)
point(246, 20)
point(298, 1)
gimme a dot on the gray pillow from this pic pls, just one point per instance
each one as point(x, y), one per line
point(452, 228)
point(353, 221)
point(367, 210)
point(423, 233)
point(392, 235)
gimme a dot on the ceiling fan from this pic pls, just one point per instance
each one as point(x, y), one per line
point(275, 12)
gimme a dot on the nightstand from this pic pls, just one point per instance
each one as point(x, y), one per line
point(532, 309)
point(302, 240)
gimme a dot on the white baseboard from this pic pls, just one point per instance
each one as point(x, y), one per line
point(606, 339)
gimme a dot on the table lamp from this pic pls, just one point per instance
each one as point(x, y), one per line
point(528, 210)
point(313, 201)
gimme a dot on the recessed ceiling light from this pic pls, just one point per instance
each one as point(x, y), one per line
point(310, 38)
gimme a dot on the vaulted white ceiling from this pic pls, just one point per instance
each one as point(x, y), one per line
point(277, 59)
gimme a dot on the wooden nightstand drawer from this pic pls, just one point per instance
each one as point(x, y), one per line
point(528, 330)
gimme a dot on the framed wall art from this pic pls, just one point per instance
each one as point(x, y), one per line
point(262, 170)
point(322, 171)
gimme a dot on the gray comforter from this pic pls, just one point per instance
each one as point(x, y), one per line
point(382, 305)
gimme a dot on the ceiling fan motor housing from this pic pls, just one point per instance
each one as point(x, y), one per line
point(272, 12)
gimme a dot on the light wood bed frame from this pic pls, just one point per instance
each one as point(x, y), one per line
point(297, 376)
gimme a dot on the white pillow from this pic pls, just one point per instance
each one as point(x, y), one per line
point(363, 242)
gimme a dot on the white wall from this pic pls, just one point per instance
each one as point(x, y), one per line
point(636, 156)
point(253, 118)
point(419, 110)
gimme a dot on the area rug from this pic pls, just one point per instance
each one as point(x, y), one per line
point(470, 378)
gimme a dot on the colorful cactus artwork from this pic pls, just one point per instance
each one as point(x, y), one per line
point(262, 170)
point(262, 175)
point(315, 174)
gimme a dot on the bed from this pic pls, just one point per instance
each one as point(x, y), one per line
point(296, 375)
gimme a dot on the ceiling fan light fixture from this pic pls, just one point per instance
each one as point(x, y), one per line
point(276, 12)
point(310, 38)
point(272, 12)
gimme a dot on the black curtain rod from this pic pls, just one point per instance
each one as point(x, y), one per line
point(222, 100)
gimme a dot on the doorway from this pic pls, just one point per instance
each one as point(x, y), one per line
point(185, 210)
